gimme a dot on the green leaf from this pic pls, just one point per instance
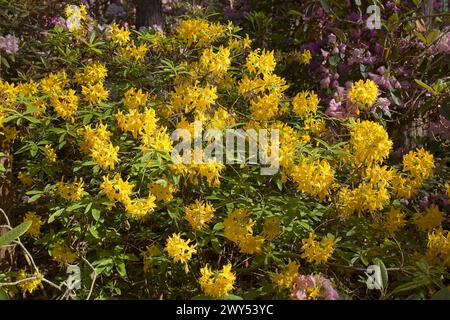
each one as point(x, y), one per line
point(424, 85)
point(421, 37)
point(95, 214)
point(55, 215)
point(433, 36)
point(3, 295)
point(121, 269)
point(325, 5)
point(383, 270)
point(15, 233)
point(443, 294)
point(411, 285)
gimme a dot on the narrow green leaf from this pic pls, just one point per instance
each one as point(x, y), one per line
point(15, 233)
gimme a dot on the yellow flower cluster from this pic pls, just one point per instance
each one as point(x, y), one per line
point(134, 98)
point(76, 15)
point(95, 94)
point(66, 104)
point(159, 140)
point(261, 62)
point(363, 93)
point(162, 190)
point(36, 223)
point(313, 177)
point(8, 93)
point(50, 153)
point(70, 191)
point(93, 73)
point(217, 284)
point(98, 145)
point(137, 123)
point(216, 64)
point(119, 35)
point(199, 214)
point(317, 252)
point(305, 57)
point(199, 33)
point(140, 208)
point(392, 221)
point(127, 47)
point(271, 228)
point(438, 247)
point(180, 250)
point(238, 227)
point(195, 97)
point(63, 255)
point(371, 194)
point(54, 83)
point(266, 107)
point(207, 168)
point(431, 219)
point(25, 178)
point(118, 190)
point(417, 167)
point(369, 143)
point(286, 279)
point(305, 103)
point(134, 52)
point(29, 285)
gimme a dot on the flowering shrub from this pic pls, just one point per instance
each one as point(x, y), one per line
point(88, 135)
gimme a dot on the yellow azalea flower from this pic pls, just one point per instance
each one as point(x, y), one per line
point(30, 285)
point(119, 35)
point(25, 178)
point(313, 177)
point(141, 208)
point(305, 103)
point(363, 93)
point(63, 255)
point(135, 98)
point(271, 228)
point(93, 73)
point(50, 153)
point(370, 142)
point(287, 278)
point(117, 189)
point(71, 191)
point(36, 223)
point(180, 250)
point(66, 104)
point(429, 220)
point(134, 52)
point(217, 284)
point(199, 214)
point(266, 107)
point(317, 252)
point(163, 191)
point(199, 33)
point(305, 57)
point(95, 94)
point(438, 247)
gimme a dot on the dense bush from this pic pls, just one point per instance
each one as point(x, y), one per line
point(86, 148)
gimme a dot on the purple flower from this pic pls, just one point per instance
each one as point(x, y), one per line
point(325, 82)
point(384, 104)
point(9, 44)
